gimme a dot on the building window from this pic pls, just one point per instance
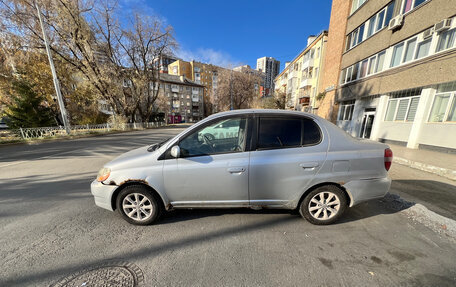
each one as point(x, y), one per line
point(409, 50)
point(356, 4)
point(444, 105)
point(363, 70)
point(346, 111)
point(446, 40)
point(409, 5)
point(423, 48)
point(371, 67)
point(380, 22)
point(397, 54)
point(355, 71)
point(380, 62)
point(371, 26)
point(402, 109)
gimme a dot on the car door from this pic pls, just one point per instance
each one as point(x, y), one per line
point(213, 167)
point(288, 153)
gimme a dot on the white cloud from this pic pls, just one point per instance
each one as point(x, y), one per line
point(210, 56)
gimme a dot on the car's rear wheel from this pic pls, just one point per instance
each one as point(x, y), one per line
point(138, 205)
point(323, 205)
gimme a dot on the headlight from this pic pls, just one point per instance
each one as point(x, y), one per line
point(103, 174)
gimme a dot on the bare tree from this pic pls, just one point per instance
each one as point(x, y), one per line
point(114, 57)
point(277, 101)
point(237, 88)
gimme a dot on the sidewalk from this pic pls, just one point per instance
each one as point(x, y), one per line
point(443, 164)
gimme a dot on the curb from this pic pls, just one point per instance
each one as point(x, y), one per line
point(420, 213)
point(444, 172)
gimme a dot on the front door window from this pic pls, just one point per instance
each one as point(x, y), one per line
point(224, 136)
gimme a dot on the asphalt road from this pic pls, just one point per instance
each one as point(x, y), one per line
point(50, 229)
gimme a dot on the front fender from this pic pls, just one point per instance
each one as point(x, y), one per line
point(151, 176)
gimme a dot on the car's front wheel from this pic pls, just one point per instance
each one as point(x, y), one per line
point(138, 205)
point(324, 205)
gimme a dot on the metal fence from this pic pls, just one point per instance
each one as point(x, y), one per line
point(46, 132)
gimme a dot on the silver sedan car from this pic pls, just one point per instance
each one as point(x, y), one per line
point(248, 158)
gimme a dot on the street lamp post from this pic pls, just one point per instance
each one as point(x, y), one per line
point(54, 75)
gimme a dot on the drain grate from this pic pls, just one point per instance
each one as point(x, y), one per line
point(113, 273)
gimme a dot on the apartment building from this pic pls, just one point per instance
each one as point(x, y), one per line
point(200, 73)
point(184, 98)
point(398, 75)
point(162, 62)
point(301, 78)
point(271, 68)
point(260, 88)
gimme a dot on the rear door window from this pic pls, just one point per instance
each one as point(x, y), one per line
point(281, 132)
point(311, 133)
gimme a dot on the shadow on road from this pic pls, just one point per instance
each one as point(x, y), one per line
point(151, 251)
point(437, 196)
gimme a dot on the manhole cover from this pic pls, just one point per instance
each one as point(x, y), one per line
point(121, 274)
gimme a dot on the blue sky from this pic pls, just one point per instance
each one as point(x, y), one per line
point(238, 32)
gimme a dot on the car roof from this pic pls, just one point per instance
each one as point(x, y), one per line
point(262, 111)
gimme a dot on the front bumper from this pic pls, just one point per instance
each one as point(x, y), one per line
point(367, 189)
point(102, 194)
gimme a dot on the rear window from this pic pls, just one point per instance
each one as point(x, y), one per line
point(275, 132)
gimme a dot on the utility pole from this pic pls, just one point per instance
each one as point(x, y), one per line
point(54, 75)
point(231, 92)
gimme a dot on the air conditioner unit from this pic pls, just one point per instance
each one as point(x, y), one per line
point(428, 33)
point(396, 22)
point(443, 25)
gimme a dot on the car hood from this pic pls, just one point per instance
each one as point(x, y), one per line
point(137, 157)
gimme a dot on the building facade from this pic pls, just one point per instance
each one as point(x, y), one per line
point(271, 68)
point(327, 106)
point(184, 99)
point(301, 78)
point(398, 75)
point(200, 73)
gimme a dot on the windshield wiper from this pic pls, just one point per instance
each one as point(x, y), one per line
point(157, 145)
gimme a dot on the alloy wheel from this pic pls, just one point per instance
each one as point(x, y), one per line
point(324, 205)
point(137, 206)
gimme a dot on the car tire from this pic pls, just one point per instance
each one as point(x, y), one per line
point(138, 205)
point(323, 205)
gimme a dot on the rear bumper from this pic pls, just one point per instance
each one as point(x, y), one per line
point(102, 194)
point(367, 189)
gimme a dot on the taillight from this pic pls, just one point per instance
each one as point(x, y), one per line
point(388, 158)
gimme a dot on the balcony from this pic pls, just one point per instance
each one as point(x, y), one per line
point(175, 88)
point(309, 63)
point(195, 98)
point(305, 101)
point(292, 74)
point(305, 82)
point(195, 91)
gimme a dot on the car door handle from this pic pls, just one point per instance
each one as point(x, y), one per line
point(236, 169)
point(309, 165)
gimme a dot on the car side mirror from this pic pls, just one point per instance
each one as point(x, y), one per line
point(175, 151)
